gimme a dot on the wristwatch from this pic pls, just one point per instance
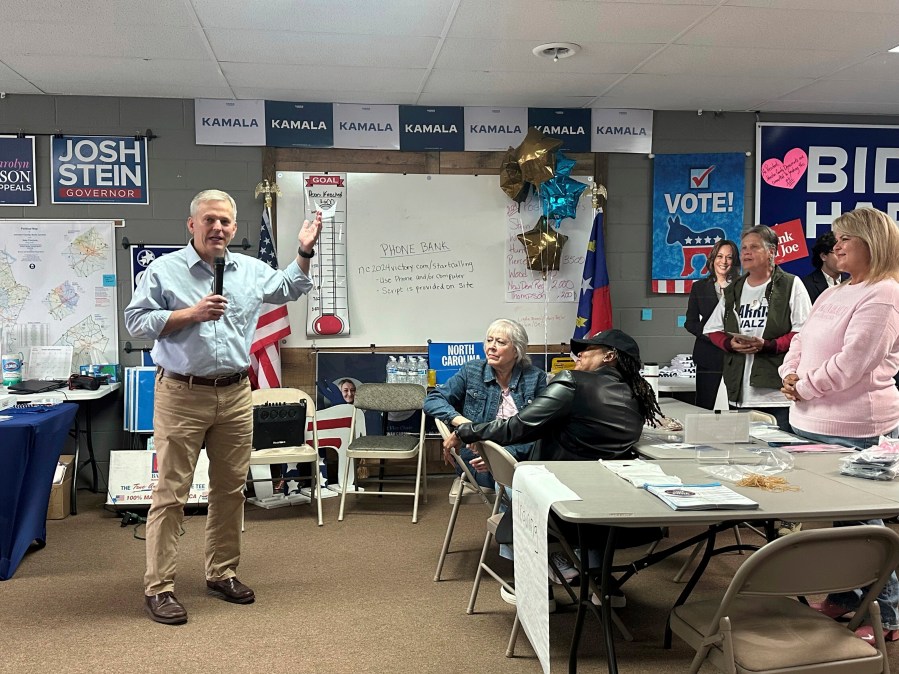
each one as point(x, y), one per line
point(303, 253)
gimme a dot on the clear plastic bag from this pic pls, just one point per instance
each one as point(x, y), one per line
point(771, 461)
point(880, 462)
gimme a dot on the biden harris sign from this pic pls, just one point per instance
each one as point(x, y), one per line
point(99, 170)
point(811, 173)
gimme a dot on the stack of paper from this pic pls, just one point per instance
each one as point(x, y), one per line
point(817, 449)
point(712, 496)
point(639, 472)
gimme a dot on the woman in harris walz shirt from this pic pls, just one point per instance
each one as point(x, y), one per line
point(723, 268)
point(839, 369)
point(754, 323)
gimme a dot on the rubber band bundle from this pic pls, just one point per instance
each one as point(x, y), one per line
point(767, 482)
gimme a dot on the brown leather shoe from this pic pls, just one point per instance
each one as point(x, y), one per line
point(231, 589)
point(164, 608)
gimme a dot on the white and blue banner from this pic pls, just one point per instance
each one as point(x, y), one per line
point(494, 128)
point(367, 127)
point(18, 180)
point(226, 122)
point(809, 174)
point(99, 170)
point(697, 201)
point(298, 124)
point(621, 130)
point(432, 128)
point(570, 125)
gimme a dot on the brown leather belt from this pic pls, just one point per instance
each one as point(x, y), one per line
point(223, 380)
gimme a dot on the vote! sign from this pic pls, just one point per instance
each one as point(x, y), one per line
point(99, 170)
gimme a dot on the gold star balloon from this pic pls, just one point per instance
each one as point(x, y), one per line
point(543, 246)
point(537, 156)
point(510, 179)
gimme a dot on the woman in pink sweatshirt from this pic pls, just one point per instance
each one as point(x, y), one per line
point(839, 368)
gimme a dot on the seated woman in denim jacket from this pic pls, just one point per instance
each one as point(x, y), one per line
point(484, 390)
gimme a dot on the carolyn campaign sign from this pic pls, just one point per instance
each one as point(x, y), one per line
point(370, 127)
point(697, 201)
point(811, 173)
point(298, 124)
point(99, 170)
point(494, 128)
point(432, 128)
point(570, 125)
point(18, 182)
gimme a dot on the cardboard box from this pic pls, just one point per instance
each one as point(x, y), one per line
point(61, 494)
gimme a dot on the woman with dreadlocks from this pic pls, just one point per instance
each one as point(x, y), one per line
point(596, 411)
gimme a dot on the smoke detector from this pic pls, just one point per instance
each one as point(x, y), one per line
point(556, 50)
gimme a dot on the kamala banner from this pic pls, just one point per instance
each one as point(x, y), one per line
point(99, 170)
point(367, 127)
point(18, 181)
point(570, 125)
point(432, 128)
point(224, 122)
point(622, 131)
point(808, 174)
point(298, 124)
point(416, 128)
point(697, 201)
point(494, 128)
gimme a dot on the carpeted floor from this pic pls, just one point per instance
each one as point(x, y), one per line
point(352, 596)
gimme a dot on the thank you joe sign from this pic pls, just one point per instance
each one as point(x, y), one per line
point(99, 170)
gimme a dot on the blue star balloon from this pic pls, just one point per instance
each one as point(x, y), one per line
point(563, 164)
point(560, 197)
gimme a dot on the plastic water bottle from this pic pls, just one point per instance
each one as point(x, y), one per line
point(422, 378)
point(391, 370)
point(402, 370)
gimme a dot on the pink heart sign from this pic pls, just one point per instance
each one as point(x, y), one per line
point(785, 173)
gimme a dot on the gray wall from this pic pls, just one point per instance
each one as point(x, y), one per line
point(179, 169)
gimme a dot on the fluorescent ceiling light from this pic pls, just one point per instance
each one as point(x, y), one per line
point(895, 50)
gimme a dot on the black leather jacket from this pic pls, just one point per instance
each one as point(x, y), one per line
point(578, 416)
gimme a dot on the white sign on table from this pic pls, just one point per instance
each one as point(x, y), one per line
point(535, 490)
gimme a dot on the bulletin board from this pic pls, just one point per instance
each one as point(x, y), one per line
point(427, 259)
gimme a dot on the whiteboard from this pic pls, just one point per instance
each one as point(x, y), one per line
point(434, 257)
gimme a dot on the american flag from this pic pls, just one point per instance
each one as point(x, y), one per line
point(594, 311)
point(273, 325)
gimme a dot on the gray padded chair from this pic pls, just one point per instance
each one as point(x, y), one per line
point(467, 486)
point(388, 398)
point(758, 626)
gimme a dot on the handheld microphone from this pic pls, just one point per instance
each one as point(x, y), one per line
point(219, 268)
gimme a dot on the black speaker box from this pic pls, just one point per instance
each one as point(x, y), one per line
point(279, 425)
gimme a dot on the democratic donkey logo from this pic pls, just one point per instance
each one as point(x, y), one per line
point(692, 243)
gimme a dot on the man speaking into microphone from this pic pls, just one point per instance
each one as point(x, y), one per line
point(200, 304)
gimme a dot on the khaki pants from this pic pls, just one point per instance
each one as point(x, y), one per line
point(183, 417)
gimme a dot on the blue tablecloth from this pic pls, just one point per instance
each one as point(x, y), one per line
point(30, 445)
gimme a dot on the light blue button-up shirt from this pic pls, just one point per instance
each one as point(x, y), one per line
point(181, 279)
